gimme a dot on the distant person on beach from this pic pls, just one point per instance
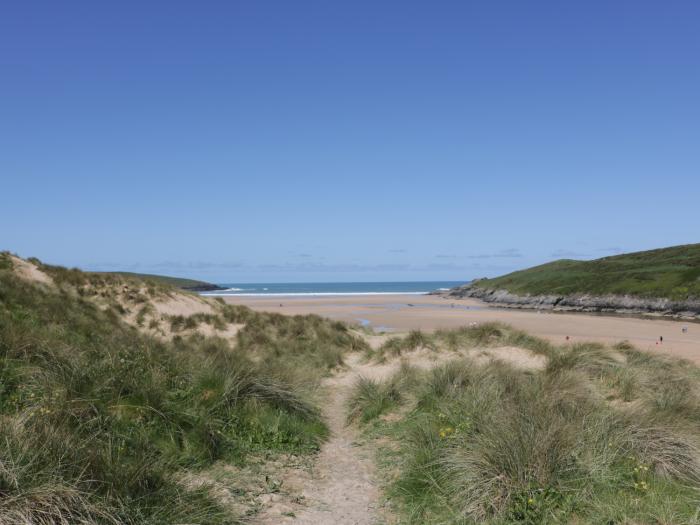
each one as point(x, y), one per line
point(661, 339)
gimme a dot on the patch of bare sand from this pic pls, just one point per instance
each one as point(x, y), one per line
point(513, 355)
point(375, 341)
point(29, 272)
point(158, 309)
point(245, 489)
point(177, 304)
point(163, 330)
point(229, 332)
point(225, 492)
point(182, 304)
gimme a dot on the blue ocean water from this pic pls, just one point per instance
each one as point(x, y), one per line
point(360, 288)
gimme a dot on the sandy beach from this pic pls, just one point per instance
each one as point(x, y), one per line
point(401, 313)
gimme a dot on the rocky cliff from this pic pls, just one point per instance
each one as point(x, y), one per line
point(623, 304)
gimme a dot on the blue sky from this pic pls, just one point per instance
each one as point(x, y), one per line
point(320, 141)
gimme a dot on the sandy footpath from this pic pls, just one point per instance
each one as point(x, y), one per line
point(343, 488)
point(425, 312)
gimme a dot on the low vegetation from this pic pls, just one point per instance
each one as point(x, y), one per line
point(482, 335)
point(101, 422)
point(597, 435)
point(668, 272)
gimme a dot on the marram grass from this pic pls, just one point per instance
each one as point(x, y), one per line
point(98, 422)
point(600, 435)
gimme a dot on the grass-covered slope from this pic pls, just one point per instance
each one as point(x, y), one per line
point(672, 273)
point(593, 435)
point(177, 282)
point(78, 277)
point(101, 423)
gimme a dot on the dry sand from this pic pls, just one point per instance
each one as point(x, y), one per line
point(29, 271)
point(429, 312)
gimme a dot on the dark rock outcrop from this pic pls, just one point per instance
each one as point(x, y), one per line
point(622, 304)
point(202, 288)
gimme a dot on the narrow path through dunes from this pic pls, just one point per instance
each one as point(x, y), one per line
point(342, 488)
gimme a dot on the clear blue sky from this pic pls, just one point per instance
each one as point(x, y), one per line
point(321, 141)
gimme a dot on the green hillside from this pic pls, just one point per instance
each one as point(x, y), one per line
point(177, 282)
point(75, 277)
point(667, 272)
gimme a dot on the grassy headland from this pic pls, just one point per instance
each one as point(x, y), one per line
point(78, 277)
point(672, 273)
point(102, 423)
point(176, 282)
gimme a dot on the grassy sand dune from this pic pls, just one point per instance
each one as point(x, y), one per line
point(101, 421)
point(175, 282)
point(595, 435)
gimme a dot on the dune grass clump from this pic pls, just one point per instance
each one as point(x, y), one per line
point(398, 345)
point(180, 323)
point(147, 310)
point(298, 342)
point(481, 335)
point(370, 399)
point(598, 436)
point(591, 358)
point(98, 420)
point(234, 313)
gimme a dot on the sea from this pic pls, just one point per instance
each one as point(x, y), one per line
point(333, 289)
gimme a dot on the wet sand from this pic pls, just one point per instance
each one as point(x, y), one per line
point(428, 312)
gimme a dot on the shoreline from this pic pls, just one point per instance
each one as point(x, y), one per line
point(401, 313)
point(309, 294)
